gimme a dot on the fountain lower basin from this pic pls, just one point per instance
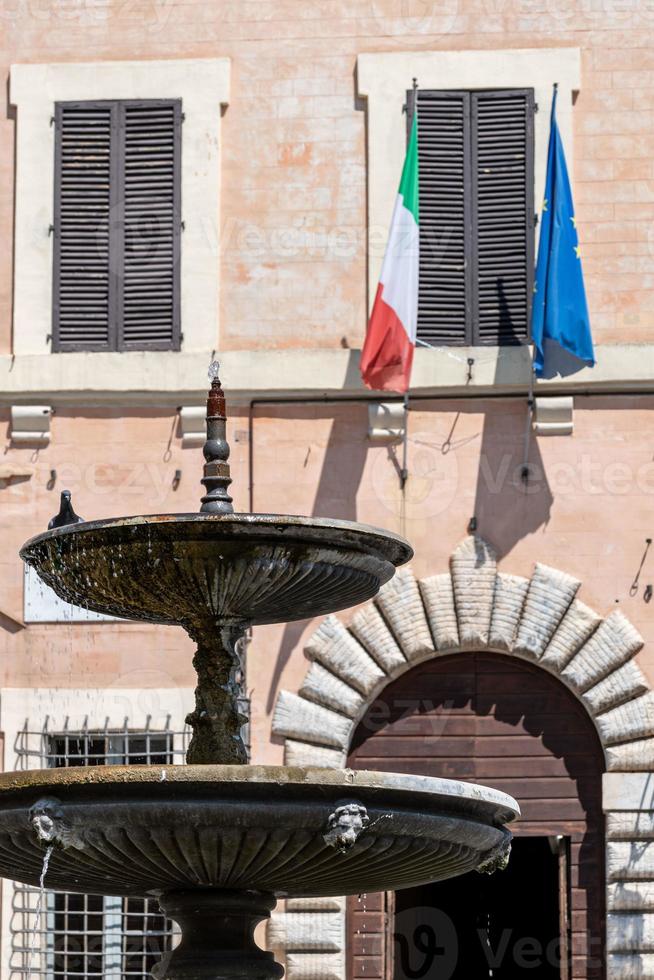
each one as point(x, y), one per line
point(149, 830)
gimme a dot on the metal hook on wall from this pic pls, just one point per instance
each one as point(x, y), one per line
point(634, 585)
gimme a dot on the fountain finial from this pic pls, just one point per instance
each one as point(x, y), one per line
point(216, 477)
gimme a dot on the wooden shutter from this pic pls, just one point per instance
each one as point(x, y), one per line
point(83, 189)
point(117, 226)
point(443, 158)
point(150, 287)
point(476, 216)
point(503, 215)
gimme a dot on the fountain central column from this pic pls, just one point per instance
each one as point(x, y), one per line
point(218, 936)
point(217, 720)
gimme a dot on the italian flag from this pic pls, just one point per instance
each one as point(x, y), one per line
point(387, 353)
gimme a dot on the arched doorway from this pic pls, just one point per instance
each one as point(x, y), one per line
point(502, 721)
point(539, 621)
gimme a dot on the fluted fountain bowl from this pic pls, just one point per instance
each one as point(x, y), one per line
point(181, 568)
point(150, 830)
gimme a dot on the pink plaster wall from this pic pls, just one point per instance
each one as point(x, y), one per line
point(587, 512)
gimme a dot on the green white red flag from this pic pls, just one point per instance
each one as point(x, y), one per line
point(387, 353)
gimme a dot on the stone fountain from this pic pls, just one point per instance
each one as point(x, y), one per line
point(217, 841)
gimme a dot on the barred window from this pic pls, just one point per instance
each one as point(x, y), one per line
point(83, 936)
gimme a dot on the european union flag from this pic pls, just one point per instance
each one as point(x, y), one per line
point(559, 312)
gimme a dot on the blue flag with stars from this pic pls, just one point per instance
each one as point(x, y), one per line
point(559, 312)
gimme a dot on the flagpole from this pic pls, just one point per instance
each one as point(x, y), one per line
point(524, 472)
point(404, 472)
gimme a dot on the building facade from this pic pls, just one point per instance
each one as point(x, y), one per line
point(180, 181)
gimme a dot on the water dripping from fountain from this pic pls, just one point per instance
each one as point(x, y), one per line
point(34, 938)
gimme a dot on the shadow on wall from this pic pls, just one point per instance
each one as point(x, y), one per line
point(336, 495)
point(512, 500)
point(507, 507)
point(454, 459)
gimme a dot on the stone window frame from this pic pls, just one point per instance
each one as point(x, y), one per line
point(203, 85)
point(384, 78)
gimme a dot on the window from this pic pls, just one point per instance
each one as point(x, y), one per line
point(476, 156)
point(89, 935)
point(116, 283)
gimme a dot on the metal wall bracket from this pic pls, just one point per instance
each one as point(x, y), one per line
point(193, 421)
point(386, 423)
point(30, 424)
point(553, 416)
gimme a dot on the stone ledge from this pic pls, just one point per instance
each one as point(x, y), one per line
point(173, 378)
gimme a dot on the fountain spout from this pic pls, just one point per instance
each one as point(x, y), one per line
point(216, 477)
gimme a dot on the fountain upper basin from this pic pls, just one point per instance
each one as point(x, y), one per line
point(185, 568)
point(137, 830)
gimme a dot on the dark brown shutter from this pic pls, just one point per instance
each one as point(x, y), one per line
point(117, 226)
point(150, 293)
point(443, 159)
point(83, 185)
point(476, 216)
point(503, 215)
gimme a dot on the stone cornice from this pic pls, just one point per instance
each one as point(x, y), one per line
point(172, 379)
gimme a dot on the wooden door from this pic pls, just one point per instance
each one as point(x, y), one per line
point(492, 719)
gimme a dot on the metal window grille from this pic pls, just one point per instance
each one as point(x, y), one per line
point(79, 936)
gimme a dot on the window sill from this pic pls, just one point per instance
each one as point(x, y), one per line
point(168, 379)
